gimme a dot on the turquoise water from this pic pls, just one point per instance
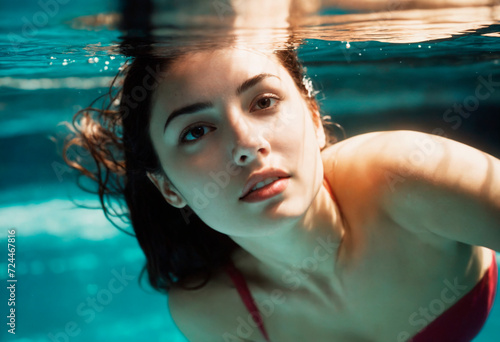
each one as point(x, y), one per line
point(77, 274)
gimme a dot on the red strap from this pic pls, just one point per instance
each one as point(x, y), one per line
point(246, 296)
point(464, 320)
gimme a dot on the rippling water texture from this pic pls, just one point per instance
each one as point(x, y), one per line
point(394, 68)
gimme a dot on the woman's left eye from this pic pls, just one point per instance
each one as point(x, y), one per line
point(266, 102)
point(194, 133)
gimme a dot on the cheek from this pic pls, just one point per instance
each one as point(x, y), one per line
point(295, 123)
point(195, 174)
point(301, 140)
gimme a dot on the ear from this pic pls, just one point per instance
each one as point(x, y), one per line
point(169, 192)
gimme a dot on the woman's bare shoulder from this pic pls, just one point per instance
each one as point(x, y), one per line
point(207, 314)
point(373, 142)
point(408, 176)
point(366, 160)
point(360, 172)
point(193, 311)
point(349, 167)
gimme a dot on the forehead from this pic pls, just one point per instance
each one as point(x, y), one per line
point(229, 60)
point(203, 74)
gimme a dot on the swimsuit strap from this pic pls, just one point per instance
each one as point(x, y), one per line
point(246, 296)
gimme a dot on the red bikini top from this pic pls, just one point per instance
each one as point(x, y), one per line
point(464, 320)
point(460, 323)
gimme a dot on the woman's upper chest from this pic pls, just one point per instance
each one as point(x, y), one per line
point(392, 284)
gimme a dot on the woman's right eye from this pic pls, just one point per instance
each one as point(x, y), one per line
point(194, 133)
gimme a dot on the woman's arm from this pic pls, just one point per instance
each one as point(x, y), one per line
point(451, 189)
point(427, 183)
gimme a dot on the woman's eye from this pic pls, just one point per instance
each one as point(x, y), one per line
point(194, 133)
point(266, 102)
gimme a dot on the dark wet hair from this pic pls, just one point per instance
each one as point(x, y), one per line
point(179, 248)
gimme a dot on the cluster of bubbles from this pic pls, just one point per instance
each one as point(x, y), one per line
point(104, 63)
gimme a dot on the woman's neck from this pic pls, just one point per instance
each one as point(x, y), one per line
point(307, 249)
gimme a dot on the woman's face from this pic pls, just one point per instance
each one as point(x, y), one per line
point(221, 116)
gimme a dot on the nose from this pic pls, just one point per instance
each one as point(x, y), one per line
point(249, 143)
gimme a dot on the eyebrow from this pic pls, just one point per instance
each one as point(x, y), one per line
point(196, 107)
point(193, 108)
point(252, 82)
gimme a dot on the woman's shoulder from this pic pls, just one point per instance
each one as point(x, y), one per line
point(351, 167)
point(196, 313)
point(376, 163)
point(366, 172)
point(377, 143)
point(407, 176)
point(207, 314)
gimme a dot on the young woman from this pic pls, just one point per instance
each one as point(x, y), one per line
point(261, 229)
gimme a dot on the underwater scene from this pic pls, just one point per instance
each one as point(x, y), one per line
point(385, 66)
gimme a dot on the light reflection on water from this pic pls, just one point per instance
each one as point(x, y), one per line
point(378, 70)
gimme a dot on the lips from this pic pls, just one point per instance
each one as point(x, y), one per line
point(262, 176)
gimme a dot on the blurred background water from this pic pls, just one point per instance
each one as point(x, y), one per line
point(77, 275)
